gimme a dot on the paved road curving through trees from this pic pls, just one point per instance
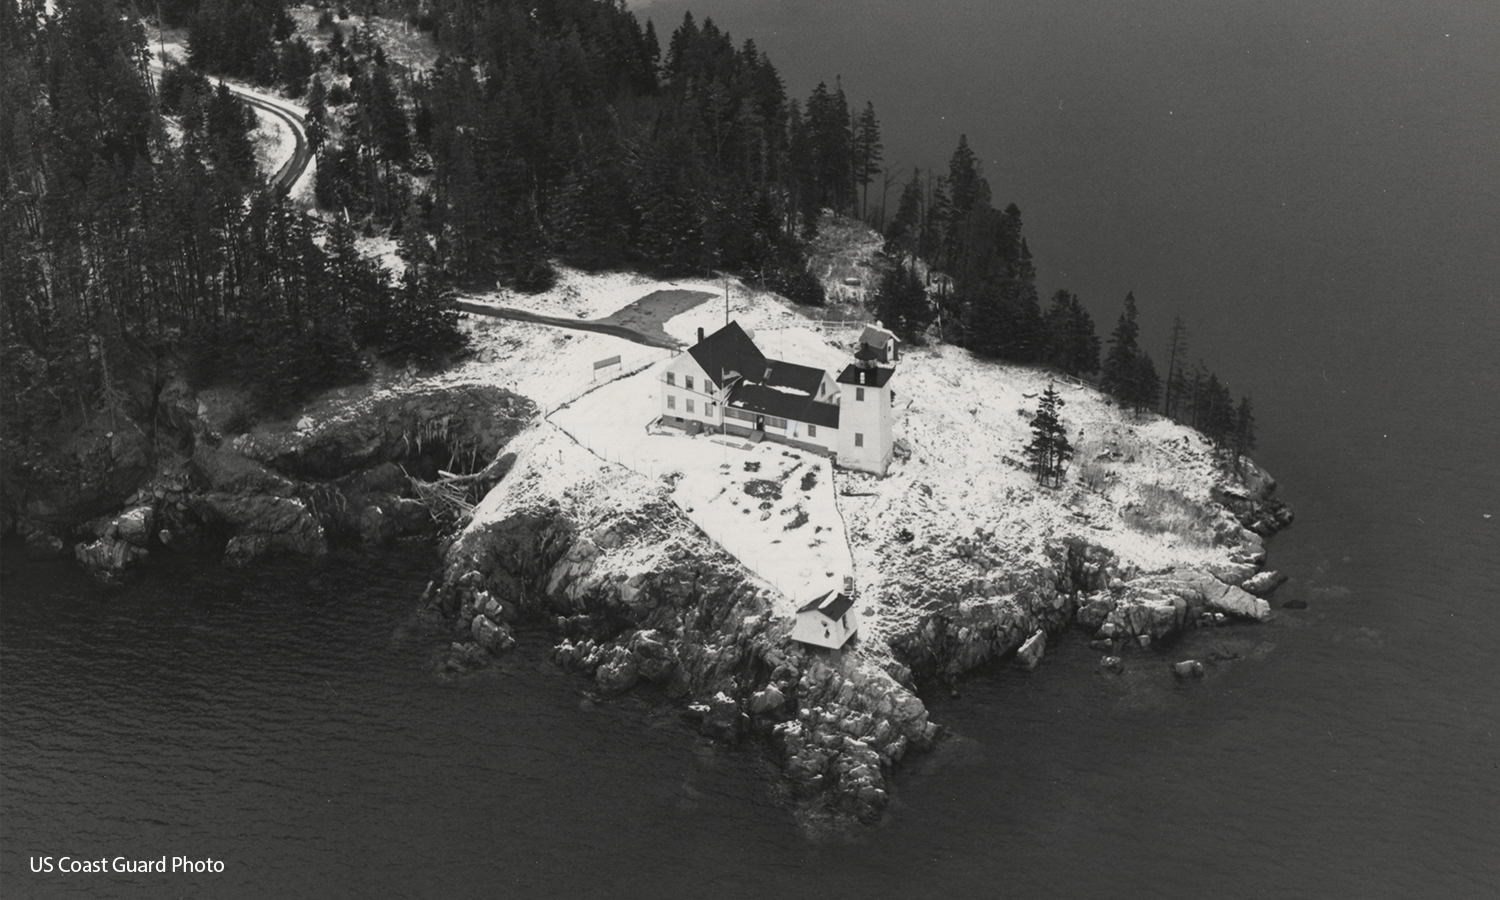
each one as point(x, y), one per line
point(292, 169)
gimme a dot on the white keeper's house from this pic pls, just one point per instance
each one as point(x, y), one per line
point(724, 384)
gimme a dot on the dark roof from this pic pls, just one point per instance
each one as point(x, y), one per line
point(729, 350)
point(832, 604)
point(869, 352)
point(878, 339)
point(875, 377)
point(771, 402)
point(784, 374)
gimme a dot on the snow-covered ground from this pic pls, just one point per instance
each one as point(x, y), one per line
point(274, 141)
point(1137, 487)
point(548, 365)
point(770, 505)
point(403, 44)
point(786, 528)
point(963, 492)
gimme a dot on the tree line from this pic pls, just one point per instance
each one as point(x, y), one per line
point(985, 297)
point(138, 242)
point(135, 222)
point(979, 288)
point(563, 130)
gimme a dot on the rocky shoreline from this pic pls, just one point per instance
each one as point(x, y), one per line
point(605, 561)
point(352, 469)
point(636, 593)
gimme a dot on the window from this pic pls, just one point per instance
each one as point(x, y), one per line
point(708, 409)
point(859, 439)
point(859, 393)
point(812, 431)
point(688, 382)
point(672, 379)
point(690, 406)
point(671, 401)
point(821, 389)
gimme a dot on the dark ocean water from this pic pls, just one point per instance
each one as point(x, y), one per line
point(1315, 186)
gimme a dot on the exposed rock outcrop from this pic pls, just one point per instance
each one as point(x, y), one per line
point(107, 558)
point(1029, 656)
point(1188, 669)
point(1264, 583)
point(643, 597)
point(259, 524)
point(346, 474)
point(638, 595)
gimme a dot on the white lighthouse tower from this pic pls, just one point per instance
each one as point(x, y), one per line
point(865, 439)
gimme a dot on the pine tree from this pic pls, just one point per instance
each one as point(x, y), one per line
point(317, 112)
point(903, 237)
point(968, 197)
point(1244, 434)
point(1120, 365)
point(228, 125)
point(1145, 385)
point(1176, 353)
point(296, 66)
point(867, 154)
point(1049, 450)
point(901, 303)
point(1216, 413)
point(1071, 343)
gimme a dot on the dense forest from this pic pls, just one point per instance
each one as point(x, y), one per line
point(562, 130)
point(981, 293)
point(137, 239)
point(138, 242)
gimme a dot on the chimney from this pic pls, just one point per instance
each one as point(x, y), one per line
point(700, 334)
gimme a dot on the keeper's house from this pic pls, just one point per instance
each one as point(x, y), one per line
point(724, 384)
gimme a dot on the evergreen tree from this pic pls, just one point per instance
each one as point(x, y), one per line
point(317, 114)
point(935, 212)
point(1120, 367)
point(1071, 342)
point(867, 154)
point(1049, 450)
point(1145, 386)
point(1216, 414)
point(901, 303)
point(387, 119)
point(228, 125)
point(903, 236)
point(969, 196)
point(1176, 356)
point(295, 66)
point(1244, 434)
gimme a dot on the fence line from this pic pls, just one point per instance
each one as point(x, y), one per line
point(626, 369)
point(1074, 380)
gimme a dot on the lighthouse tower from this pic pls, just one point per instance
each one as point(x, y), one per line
point(865, 440)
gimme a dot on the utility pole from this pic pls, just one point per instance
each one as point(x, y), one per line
point(726, 300)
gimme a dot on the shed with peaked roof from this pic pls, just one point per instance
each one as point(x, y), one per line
point(829, 621)
point(881, 340)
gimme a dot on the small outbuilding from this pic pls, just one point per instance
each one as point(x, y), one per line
point(829, 621)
